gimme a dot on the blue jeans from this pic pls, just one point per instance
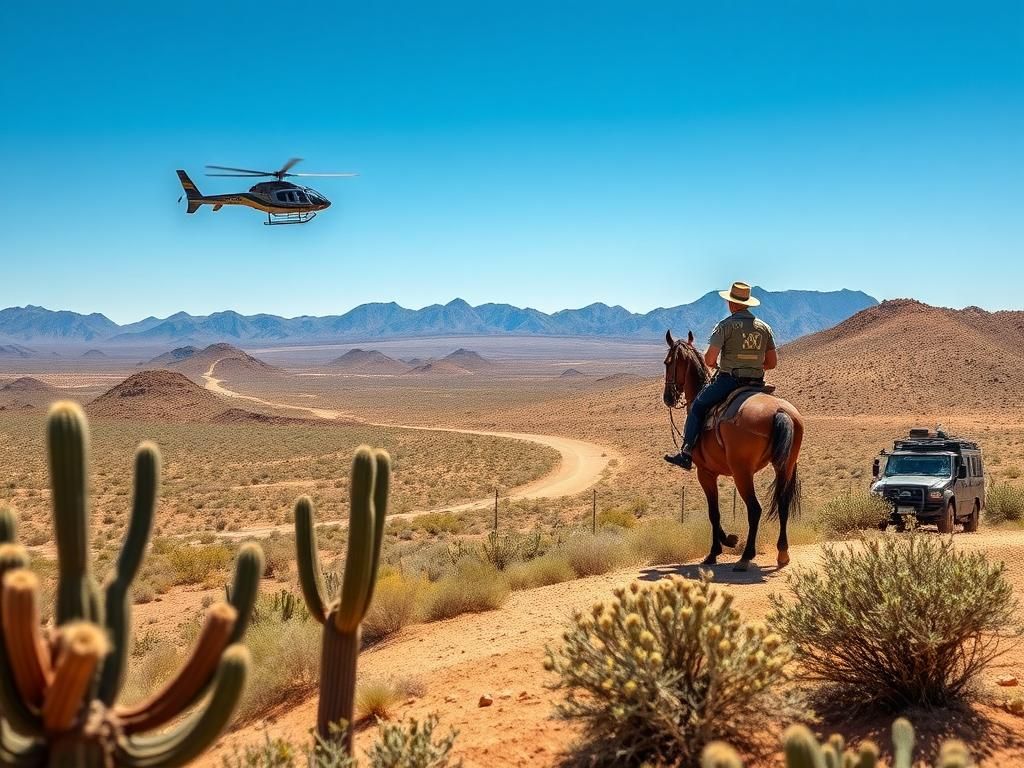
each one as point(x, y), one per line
point(719, 388)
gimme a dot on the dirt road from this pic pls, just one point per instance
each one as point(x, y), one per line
point(501, 653)
point(582, 463)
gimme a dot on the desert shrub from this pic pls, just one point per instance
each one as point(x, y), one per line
point(851, 512)
point(438, 522)
point(591, 555)
point(286, 665)
point(410, 745)
point(664, 540)
point(192, 564)
point(501, 550)
point(1004, 503)
point(616, 517)
point(413, 746)
point(395, 601)
point(154, 660)
point(472, 587)
point(899, 621)
point(664, 668)
point(376, 699)
point(278, 555)
point(552, 568)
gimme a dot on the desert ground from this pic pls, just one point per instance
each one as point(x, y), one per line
point(567, 433)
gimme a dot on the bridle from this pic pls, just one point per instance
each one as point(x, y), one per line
point(679, 395)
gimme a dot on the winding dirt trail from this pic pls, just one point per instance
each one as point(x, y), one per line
point(582, 463)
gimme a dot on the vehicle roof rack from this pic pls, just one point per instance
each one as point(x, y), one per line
point(934, 443)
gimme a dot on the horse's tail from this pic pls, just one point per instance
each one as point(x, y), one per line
point(785, 488)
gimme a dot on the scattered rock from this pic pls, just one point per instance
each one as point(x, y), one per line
point(450, 699)
point(506, 694)
point(486, 700)
point(1016, 705)
point(1007, 680)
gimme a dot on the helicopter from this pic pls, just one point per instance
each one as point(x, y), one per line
point(282, 201)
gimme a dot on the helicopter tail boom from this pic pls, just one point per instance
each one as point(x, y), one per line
point(192, 193)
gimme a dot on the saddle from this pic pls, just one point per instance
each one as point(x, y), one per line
point(729, 409)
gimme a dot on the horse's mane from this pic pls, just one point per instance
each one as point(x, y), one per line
point(700, 368)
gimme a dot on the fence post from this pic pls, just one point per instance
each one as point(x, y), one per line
point(495, 509)
point(593, 513)
point(682, 506)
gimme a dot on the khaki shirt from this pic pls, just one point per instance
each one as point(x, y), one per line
point(744, 341)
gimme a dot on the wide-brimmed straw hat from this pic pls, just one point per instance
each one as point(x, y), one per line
point(740, 294)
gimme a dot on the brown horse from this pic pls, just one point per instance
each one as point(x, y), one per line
point(767, 430)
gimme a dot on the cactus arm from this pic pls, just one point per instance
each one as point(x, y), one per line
point(83, 645)
point(19, 752)
point(189, 740)
point(8, 526)
point(117, 603)
point(68, 444)
point(902, 743)
point(356, 585)
point(22, 718)
point(245, 587)
point(308, 559)
point(188, 685)
point(801, 748)
point(28, 653)
point(381, 491)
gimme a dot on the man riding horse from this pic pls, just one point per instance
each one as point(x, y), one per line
point(742, 348)
point(753, 430)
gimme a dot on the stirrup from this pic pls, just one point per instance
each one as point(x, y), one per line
point(682, 460)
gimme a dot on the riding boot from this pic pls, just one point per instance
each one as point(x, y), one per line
point(683, 459)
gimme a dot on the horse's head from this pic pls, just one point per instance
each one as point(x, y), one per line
point(683, 369)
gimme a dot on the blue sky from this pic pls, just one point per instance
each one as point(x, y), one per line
point(544, 154)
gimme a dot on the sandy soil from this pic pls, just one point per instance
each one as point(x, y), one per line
point(582, 463)
point(501, 654)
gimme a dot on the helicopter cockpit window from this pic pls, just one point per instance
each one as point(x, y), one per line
point(302, 197)
point(282, 196)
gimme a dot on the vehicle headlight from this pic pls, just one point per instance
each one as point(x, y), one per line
point(935, 495)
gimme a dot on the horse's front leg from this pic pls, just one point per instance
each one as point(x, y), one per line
point(745, 486)
point(709, 482)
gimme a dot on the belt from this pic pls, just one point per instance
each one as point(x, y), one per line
point(736, 376)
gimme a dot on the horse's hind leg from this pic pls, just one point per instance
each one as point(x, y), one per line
point(781, 479)
point(745, 486)
point(709, 482)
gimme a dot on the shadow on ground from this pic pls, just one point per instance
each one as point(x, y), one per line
point(722, 573)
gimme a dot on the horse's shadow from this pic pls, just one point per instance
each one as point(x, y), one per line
point(721, 573)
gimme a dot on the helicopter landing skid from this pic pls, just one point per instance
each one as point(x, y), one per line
point(276, 219)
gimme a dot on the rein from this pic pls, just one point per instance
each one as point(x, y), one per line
point(680, 397)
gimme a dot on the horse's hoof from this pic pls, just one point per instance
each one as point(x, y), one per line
point(731, 540)
point(783, 558)
point(741, 566)
point(709, 560)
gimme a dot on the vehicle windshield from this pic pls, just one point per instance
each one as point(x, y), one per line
point(932, 466)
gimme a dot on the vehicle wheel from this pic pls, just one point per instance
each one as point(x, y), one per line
point(948, 519)
point(971, 524)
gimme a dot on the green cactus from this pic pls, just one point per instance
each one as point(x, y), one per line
point(802, 750)
point(59, 690)
point(342, 616)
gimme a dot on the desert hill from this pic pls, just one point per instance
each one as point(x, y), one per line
point(26, 392)
point(368, 361)
point(440, 368)
point(157, 395)
point(468, 359)
point(571, 373)
point(230, 362)
point(16, 350)
point(904, 356)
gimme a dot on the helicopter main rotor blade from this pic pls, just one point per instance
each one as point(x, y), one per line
point(323, 174)
point(247, 171)
point(287, 167)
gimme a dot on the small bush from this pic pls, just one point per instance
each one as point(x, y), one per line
point(472, 587)
point(413, 746)
point(900, 621)
point(662, 541)
point(662, 669)
point(438, 522)
point(154, 660)
point(853, 512)
point(552, 568)
point(501, 550)
point(376, 700)
point(1004, 503)
point(616, 517)
point(193, 564)
point(591, 555)
point(286, 665)
point(395, 600)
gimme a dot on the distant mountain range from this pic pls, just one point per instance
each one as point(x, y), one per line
point(790, 313)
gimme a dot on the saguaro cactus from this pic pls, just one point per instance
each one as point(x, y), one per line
point(342, 616)
point(59, 689)
point(802, 750)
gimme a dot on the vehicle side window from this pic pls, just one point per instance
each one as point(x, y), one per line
point(981, 469)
